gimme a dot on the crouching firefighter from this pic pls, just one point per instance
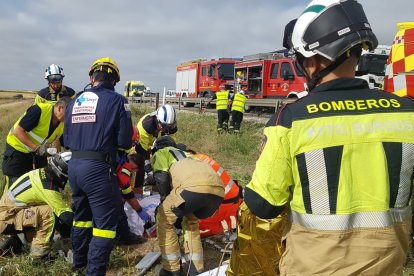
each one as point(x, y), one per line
point(33, 205)
point(190, 189)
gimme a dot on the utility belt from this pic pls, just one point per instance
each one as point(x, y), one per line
point(95, 155)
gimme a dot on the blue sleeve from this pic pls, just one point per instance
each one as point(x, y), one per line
point(125, 131)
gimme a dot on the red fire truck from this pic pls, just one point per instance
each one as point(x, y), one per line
point(268, 75)
point(201, 77)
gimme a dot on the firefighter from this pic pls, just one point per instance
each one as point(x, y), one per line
point(340, 158)
point(97, 124)
point(189, 189)
point(33, 205)
point(222, 103)
point(161, 122)
point(55, 90)
point(30, 137)
point(237, 109)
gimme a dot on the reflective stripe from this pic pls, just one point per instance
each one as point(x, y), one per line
point(109, 234)
point(193, 257)
point(351, 221)
point(405, 175)
point(126, 171)
point(178, 154)
point(35, 137)
point(127, 190)
point(20, 187)
point(171, 257)
point(228, 186)
point(220, 171)
point(318, 182)
point(83, 224)
point(15, 201)
point(233, 222)
point(224, 225)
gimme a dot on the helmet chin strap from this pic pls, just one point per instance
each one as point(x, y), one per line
point(316, 78)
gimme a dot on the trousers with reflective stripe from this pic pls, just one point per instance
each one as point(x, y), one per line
point(97, 203)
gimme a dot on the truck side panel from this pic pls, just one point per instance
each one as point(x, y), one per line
point(186, 80)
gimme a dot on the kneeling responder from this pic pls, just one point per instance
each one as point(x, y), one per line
point(33, 205)
point(189, 189)
point(150, 127)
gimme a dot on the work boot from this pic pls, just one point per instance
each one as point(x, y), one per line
point(188, 268)
point(164, 272)
point(10, 245)
point(130, 239)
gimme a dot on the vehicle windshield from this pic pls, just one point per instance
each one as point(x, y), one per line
point(373, 64)
point(138, 87)
point(226, 71)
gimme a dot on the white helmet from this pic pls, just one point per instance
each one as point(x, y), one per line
point(54, 73)
point(167, 117)
point(330, 28)
point(59, 164)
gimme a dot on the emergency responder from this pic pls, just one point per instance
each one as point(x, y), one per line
point(161, 122)
point(33, 205)
point(189, 189)
point(30, 137)
point(340, 158)
point(97, 124)
point(237, 109)
point(55, 90)
point(222, 103)
point(126, 165)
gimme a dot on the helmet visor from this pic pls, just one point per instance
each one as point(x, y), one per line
point(55, 78)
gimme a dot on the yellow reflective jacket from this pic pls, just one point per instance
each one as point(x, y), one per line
point(239, 102)
point(39, 134)
point(222, 99)
point(35, 188)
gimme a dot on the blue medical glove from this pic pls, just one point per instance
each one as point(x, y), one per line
point(144, 216)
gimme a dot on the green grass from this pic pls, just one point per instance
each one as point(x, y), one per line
point(236, 153)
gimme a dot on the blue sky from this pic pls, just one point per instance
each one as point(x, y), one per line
point(149, 38)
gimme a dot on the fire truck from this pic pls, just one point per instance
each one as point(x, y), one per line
point(202, 77)
point(268, 75)
point(399, 74)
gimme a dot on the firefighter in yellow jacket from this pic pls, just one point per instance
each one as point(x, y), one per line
point(33, 205)
point(341, 158)
point(31, 135)
point(237, 109)
point(222, 103)
point(189, 189)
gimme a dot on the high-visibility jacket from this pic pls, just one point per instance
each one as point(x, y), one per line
point(342, 159)
point(123, 173)
point(222, 99)
point(36, 188)
point(239, 102)
point(48, 95)
point(39, 134)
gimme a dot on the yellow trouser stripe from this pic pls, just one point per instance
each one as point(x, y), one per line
point(82, 224)
point(109, 234)
point(127, 190)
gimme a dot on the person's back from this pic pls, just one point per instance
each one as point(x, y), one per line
point(341, 158)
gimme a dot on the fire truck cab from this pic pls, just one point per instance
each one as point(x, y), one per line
point(202, 78)
point(268, 75)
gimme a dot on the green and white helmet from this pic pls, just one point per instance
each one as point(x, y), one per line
point(330, 28)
